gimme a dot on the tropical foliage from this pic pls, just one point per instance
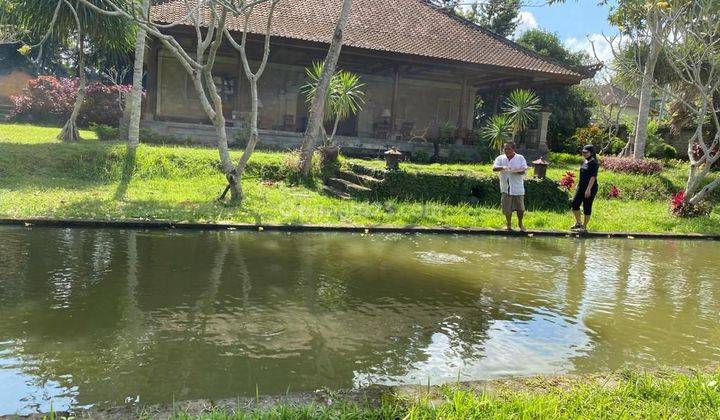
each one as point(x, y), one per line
point(521, 106)
point(498, 130)
point(345, 96)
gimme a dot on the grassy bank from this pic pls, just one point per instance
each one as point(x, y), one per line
point(40, 177)
point(626, 395)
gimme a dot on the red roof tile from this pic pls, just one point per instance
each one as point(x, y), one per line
point(412, 27)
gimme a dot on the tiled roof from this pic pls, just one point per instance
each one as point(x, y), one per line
point(412, 27)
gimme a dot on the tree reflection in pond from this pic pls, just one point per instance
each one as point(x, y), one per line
point(97, 316)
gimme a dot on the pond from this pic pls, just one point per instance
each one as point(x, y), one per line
point(103, 317)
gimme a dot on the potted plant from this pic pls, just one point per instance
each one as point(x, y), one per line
point(345, 97)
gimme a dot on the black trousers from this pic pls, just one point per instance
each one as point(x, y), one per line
point(579, 199)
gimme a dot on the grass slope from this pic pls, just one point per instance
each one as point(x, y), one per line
point(630, 395)
point(40, 177)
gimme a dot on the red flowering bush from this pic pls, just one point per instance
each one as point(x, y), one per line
point(568, 181)
point(680, 208)
point(614, 192)
point(49, 99)
point(631, 165)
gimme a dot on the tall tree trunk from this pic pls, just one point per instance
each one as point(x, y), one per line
point(317, 108)
point(641, 127)
point(236, 187)
point(135, 100)
point(70, 131)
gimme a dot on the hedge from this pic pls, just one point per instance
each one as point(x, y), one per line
point(540, 194)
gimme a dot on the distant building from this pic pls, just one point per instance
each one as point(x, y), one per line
point(422, 68)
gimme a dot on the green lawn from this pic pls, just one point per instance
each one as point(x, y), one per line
point(41, 177)
point(625, 396)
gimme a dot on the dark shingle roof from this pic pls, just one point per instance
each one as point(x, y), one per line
point(412, 27)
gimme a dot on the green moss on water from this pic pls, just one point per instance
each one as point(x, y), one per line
point(41, 177)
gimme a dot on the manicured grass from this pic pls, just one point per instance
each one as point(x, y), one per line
point(41, 177)
point(625, 396)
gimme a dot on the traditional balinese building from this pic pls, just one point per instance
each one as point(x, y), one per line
point(422, 68)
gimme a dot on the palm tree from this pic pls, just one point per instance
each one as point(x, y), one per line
point(345, 96)
point(521, 106)
point(70, 21)
point(498, 130)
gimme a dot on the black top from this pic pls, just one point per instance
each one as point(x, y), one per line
point(588, 170)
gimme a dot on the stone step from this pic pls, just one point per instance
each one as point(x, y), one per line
point(336, 193)
point(349, 187)
point(362, 170)
point(364, 180)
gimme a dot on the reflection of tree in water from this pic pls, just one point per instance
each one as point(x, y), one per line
point(654, 316)
point(193, 315)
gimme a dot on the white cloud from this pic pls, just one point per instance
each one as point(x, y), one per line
point(526, 20)
point(602, 47)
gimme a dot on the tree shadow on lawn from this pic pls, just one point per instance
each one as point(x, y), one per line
point(128, 170)
point(184, 211)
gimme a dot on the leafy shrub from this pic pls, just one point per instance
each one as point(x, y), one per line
point(614, 192)
point(152, 137)
point(631, 165)
point(665, 151)
point(421, 156)
point(565, 159)
point(540, 194)
point(485, 152)
point(48, 99)
point(680, 208)
point(105, 132)
point(597, 136)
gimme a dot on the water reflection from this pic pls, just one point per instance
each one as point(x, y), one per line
point(101, 316)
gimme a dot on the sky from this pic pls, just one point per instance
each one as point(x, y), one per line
point(576, 22)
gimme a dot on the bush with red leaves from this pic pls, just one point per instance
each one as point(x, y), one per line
point(680, 208)
point(50, 100)
point(631, 165)
point(614, 192)
point(568, 181)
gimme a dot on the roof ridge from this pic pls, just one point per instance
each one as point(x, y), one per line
point(467, 22)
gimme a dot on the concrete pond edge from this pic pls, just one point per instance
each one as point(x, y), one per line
point(275, 227)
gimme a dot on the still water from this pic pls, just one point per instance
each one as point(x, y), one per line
point(92, 316)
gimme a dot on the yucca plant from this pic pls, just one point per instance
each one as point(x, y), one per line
point(345, 96)
point(497, 130)
point(521, 106)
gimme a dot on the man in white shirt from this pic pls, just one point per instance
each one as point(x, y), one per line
point(512, 167)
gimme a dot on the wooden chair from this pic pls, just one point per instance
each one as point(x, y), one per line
point(406, 130)
point(420, 134)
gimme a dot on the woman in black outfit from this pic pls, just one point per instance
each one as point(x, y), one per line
point(587, 187)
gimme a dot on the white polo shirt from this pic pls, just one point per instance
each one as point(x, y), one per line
point(510, 182)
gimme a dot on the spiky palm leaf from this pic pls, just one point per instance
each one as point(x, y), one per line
point(497, 130)
point(344, 96)
point(522, 107)
point(347, 96)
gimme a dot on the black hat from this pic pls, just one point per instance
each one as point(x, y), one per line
point(589, 148)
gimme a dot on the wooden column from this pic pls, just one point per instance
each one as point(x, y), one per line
point(462, 129)
point(152, 83)
point(394, 104)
